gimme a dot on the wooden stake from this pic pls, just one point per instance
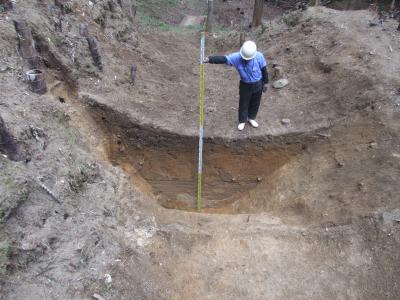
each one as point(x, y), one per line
point(242, 38)
point(210, 9)
point(133, 74)
point(94, 50)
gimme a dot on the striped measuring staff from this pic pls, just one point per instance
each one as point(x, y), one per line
point(201, 127)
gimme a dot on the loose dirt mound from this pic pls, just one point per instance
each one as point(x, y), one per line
point(320, 194)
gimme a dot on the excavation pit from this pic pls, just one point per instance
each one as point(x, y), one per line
point(164, 165)
point(169, 171)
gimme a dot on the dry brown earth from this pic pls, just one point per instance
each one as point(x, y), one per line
point(308, 210)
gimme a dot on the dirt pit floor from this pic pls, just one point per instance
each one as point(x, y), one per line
point(98, 177)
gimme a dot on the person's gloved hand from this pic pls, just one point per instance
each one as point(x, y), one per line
point(265, 88)
point(206, 60)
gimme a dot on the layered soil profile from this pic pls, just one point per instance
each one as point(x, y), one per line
point(169, 171)
point(164, 165)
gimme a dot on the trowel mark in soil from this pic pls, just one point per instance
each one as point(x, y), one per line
point(164, 165)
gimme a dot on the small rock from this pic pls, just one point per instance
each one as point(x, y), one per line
point(396, 155)
point(98, 297)
point(108, 279)
point(285, 121)
point(281, 83)
point(4, 69)
point(373, 145)
point(340, 164)
point(259, 179)
point(391, 216)
point(326, 135)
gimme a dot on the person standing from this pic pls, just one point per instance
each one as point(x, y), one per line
point(252, 68)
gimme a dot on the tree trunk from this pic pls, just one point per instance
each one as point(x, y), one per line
point(258, 12)
point(210, 8)
point(393, 4)
point(349, 5)
point(317, 3)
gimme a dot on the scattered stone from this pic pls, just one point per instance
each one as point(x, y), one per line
point(340, 164)
point(285, 121)
point(281, 83)
point(98, 297)
point(373, 145)
point(259, 179)
point(361, 186)
point(396, 155)
point(391, 216)
point(108, 279)
point(326, 135)
point(4, 69)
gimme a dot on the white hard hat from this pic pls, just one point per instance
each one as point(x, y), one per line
point(248, 50)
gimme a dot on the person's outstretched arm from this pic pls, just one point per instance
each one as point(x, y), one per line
point(216, 59)
point(265, 79)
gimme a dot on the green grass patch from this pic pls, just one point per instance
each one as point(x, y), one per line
point(157, 3)
point(156, 23)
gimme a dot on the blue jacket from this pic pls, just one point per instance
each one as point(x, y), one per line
point(249, 71)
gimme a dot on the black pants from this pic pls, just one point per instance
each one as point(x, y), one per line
point(249, 102)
